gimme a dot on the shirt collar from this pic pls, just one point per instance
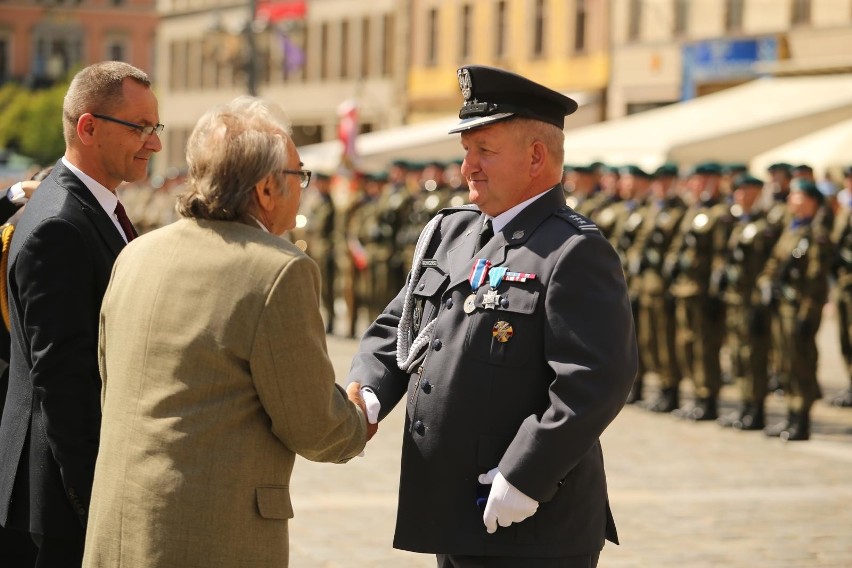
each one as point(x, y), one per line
point(500, 221)
point(107, 199)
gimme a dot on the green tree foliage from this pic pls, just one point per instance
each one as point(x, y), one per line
point(31, 121)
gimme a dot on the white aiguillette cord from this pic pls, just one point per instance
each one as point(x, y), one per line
point(407, 352)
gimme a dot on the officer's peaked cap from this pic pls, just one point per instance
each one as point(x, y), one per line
point(492, 94)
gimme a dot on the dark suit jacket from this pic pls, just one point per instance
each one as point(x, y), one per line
point(535, 405)
point(60, 261)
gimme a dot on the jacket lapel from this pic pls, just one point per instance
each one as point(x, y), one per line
point(93, 210)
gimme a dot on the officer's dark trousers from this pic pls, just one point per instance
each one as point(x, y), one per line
point(458, 561)
point(58, 552)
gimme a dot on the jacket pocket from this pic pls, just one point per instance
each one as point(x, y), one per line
point(273, 502)
point(506, 334)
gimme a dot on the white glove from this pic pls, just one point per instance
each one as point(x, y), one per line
point(371, 401)
point(506, 504)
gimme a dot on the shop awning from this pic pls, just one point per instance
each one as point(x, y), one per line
point(733, 125)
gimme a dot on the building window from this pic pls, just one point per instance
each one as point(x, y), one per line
point(681, 16)
point(323, 53)
point(116, 49)
point(634, 20)
point(733, 14)
point(580, 19)
point(464, 40)
point(366, 45)
point(538, 29)
point(432, 37)
point(344, 49)
point(5, 58)
point(801, 12)
point(389, 48)
point(500, 31)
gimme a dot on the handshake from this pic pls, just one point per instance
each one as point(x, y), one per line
point(505, 503)
point(369, 407)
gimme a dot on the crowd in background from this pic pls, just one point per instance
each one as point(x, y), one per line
point(727, 273)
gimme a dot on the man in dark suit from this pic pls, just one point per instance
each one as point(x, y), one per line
point(60, 262)
point(513, 351)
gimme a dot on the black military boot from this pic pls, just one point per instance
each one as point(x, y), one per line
point(799, 429)
point(775, 430)
point(668, 401)
point(754, 418)
point(704, 409)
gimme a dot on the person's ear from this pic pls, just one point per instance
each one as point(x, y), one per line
point(264, 191)
point(538, 158)
point(86, 128)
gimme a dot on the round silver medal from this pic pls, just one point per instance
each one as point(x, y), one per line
point(470, 303)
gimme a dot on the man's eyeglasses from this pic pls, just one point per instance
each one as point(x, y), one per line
point(304, 176)
point(144, 131)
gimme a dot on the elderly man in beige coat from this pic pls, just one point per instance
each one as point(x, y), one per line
point(214, 364)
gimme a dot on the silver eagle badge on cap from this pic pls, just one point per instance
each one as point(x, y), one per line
point(465, 84)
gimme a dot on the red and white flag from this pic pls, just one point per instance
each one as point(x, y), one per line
point(347, 132)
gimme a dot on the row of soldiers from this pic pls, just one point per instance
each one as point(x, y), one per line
point(721, 258)
point(714, 257)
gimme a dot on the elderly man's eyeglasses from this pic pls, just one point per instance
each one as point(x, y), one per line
point(145, 131)
point(304, 176)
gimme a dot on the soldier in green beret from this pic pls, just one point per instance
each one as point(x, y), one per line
point(321, 236)
point(697, 250)
point(842, 238)
point(748, 321)
point(796, 278)
point(656, 322)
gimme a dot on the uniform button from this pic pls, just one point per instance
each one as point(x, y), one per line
point(436, 345)
point(426, 386)
point(419, 427)
point(504, 302)
point(449, 303)
point(422, 285)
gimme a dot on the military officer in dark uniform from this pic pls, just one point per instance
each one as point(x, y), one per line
point(512, 347)
point(656, 323)
point(748, 333)
point(796, 278)
point(698, 248)
point(320, 236)
point(842, 238)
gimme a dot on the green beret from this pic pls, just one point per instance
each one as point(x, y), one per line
point(807, 187)
point(631, 170)
point(707, 169)
point(666, 170)
point(734, 168)
point(780, 166)
point(580, 169)
point(747, 180)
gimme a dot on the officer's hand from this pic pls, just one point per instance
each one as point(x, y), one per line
point(353, 391)
point(506, 504)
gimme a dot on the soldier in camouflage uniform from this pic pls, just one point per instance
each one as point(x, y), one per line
point(629, 215)
point(749, 338)
point(581, 189)
point(842, 237)
point(796, 278)
point(320, 236)
point(696, 251)
point(604, 212)
point(376, 234)
point(656, 323)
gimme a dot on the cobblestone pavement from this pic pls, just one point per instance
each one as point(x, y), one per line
point(683, 494)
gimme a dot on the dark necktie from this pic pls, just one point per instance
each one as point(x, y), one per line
point(124, 221)
point(485, 235)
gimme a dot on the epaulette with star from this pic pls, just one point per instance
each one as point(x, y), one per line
point(581, 223)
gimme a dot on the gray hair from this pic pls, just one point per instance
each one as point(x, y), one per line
point(231, 149)
point(97, 88)
point(551, 136)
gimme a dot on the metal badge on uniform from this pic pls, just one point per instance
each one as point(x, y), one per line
point(518, 235)
point(749, 232)
point(470, 304)
point(700, 220)
point(429, 262)
point(502, 331)
point(491, 300)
